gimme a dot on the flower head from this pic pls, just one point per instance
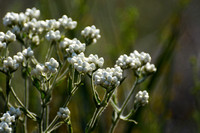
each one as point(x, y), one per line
point(91, 33)
point(142, 97)
point(108, 78)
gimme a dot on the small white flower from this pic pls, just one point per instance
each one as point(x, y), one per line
point(38, 70)
point(65, 43)
point(22, 18)
point(28, 52)
point(8, 118)
point(19, 57)
point(147, 69)
point(2, 45)
point(53, 35)
point(67, 23)
point(5, 128)
point(90, 32)
point(30, 25)
point(36, 40)
point(32, 13)
point(10, 37)
point(52, 24)
point(142, 97)
point(2, 36)
point(63, 113)
point(52, 65)
point(86, 64)
point(73, 46)
point(10, 63)
point(10, 19)
point(134, 61)
point(108, 78)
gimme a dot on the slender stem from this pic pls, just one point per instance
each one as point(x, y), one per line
point(55, 127)
point(123, 107)
point(49, 128)
point(114, 105)
point(129, 95)
point(98, 111)
point(30, 114)
point(41, 118)
point(50, 49)
point(62, 75)
point(47, 116)
point(93, 117)
point(58, 54)
point(26, 98)
point(8, 88)
point(69, 125)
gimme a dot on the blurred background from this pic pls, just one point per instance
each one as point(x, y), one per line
point(168, 30)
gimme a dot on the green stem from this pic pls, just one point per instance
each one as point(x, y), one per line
point(30, 114)
point(98, 111)
point(47, 116)
point(51, 125)
point(50, 49)
point(8, 89)
point(26, 98)
point(58, 54)
point(41, 118)
point(123, 107)
point(69, 125)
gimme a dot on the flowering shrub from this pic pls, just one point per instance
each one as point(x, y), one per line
point(69, 63)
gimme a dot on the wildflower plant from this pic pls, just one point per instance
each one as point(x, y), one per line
point(65, 59)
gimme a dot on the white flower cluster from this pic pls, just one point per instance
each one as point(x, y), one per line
point(67, 22)
point(134, 60)
point(38, 26)
point(19, 57)
point(137, 61)
point(63, 113)
point(7, 119)
point(53, 35)
point(13, 63)
point(6, 122)
point(86, 64)
point(12, 19)
point(10, 64)
point(142, 97)
point(35, 40)
point(27, 23)
point(72, 46)
point(52, 65)
point(10, 37)
point(5, 38)
point(108, 78)
point(49, 67)
point(90, 32)
point(147, 69)
point(2, 45)
point(39, 70)
point(28, 53)
point(32, 13)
